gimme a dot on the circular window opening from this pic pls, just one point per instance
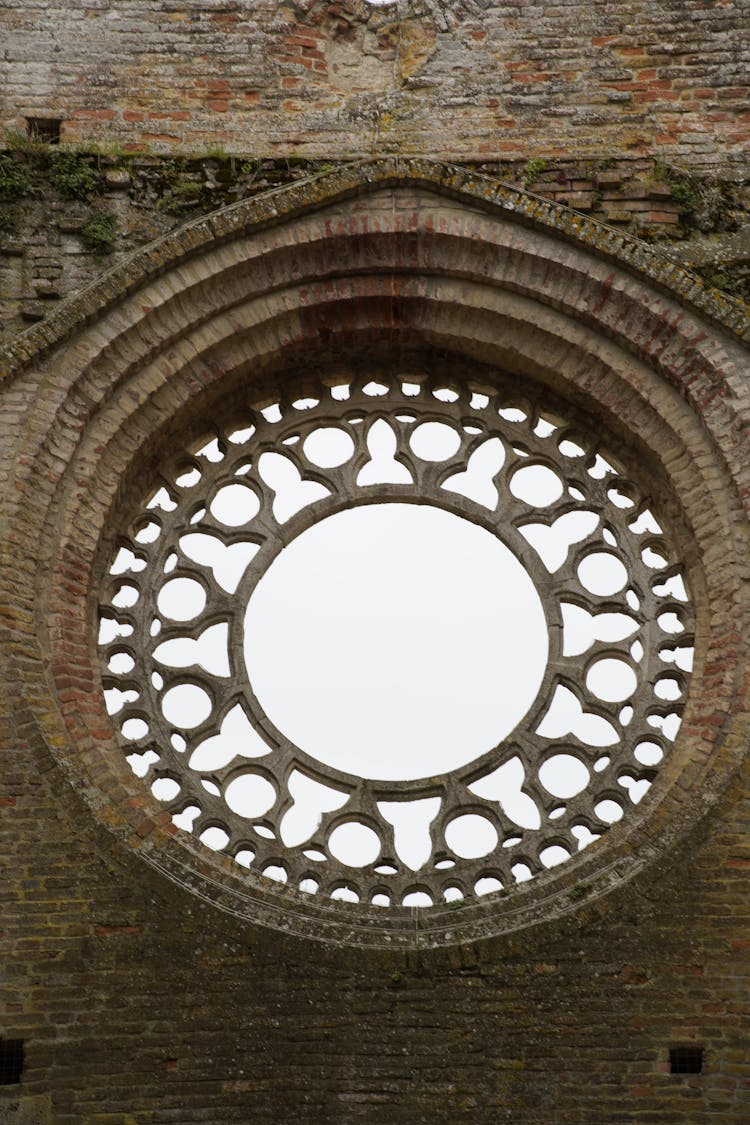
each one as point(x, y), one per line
point(395, 641)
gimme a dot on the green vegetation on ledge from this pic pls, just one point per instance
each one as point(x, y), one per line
point(99, 233)
point(71, 173)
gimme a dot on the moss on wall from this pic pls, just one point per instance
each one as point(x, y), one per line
point(68, 213)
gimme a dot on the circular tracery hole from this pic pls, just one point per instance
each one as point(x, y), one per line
point(354, 844)
point(562, 775)
point(612, 680)
point(434, 441)
point(186, 705)
point(376, 633)
point(328, 447)
point(235, 505)
point(602, 574)
point(181, 599)
point(250, 795)
point(471, 836)
point(537, 485)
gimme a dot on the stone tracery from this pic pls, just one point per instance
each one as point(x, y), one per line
point(606, 713)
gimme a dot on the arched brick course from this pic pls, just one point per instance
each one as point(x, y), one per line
point(378, 265)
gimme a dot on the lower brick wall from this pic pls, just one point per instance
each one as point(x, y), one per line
point(140, 1004)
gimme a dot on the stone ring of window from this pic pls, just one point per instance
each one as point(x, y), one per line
point(585, 688)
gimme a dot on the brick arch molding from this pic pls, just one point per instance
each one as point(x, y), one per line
point(376, 266)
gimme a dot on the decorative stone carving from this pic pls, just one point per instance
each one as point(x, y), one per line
point(602, 714)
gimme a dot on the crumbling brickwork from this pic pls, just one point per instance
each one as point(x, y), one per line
point(58, 238)
point(466, 80)
point(634, 114)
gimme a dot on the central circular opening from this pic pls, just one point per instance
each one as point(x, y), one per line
point(395, 641)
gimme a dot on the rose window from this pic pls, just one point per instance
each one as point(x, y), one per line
point(397, 642)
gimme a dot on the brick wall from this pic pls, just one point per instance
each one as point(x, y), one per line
point(472, 80)
point(46, 253)
point(140, 1002)
point(636, 114)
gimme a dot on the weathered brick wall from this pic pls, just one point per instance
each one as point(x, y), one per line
point(637, 114)
point(471, 80)
point(140, 1004)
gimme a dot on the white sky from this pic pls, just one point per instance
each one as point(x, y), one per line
point(395, 641)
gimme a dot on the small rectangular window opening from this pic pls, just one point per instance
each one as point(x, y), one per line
point(45, 129)
point(11, 1061)
point(685, 1060)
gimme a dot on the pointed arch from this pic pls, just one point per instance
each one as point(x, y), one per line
point(384, 265)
